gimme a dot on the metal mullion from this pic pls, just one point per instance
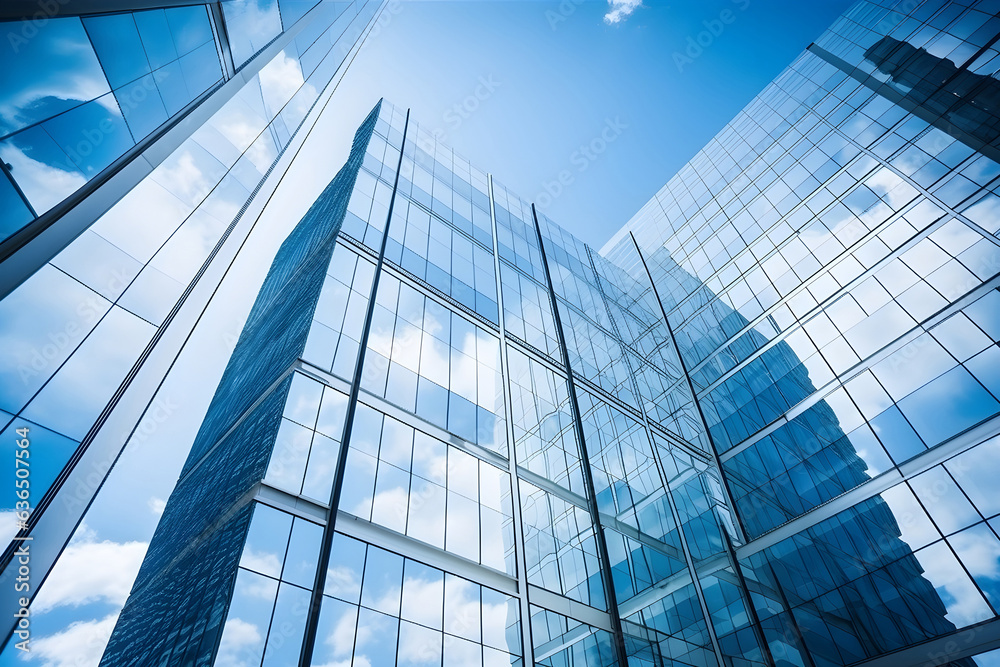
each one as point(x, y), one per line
point(675, 513)
point(221, 33)
point(527, 648)
point(694, 397)
point(315, 603)
point(611, 598)
point(757, 629)
point(950, 647)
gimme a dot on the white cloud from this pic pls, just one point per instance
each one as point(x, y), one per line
point(964, 603)
point(343, 637)
point(160, 210)
point(620, 10)
point(82, 643)
point(420, 351)
point(359, 661)
point(8, 525)
point(266, 563)
point(981, 557)
point(91, 571)
point(422, 603)
point(342, 582)
point(45, 185)
point(389, 508)
point(237, 637)
point(280, 79)
point(239, 123)
point(186, 179)
point(80, 87)
point(156, 505)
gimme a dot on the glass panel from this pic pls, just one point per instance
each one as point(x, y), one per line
point(41, 169)
point(335, 635)
point(36, 84)
point(965, 605)
point(116, 41)
point(44, 320)
point(347, 566)
point(157, 42)
point(251, 24)
point(976, 471)
point(141, 104)
point(267, 541)
point(78, 392)
point(48, 452)
point(189, 28)
point(303, 553)
point(383, 581)
point(15, 213)
point(249, 616)
point(284, 640)
point(293, 10)
point(93, 135)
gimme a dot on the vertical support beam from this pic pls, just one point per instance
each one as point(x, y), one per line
point(528, 647)
point(758, 629)
point(588, 477)
point(737, 522)
point(222, 39)
point(674, 512)
point(316, 601)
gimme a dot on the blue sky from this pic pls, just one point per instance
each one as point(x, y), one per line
point(550, 78)
point(520, 87)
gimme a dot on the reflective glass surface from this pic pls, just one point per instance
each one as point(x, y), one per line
point(82, 92)
point(758, 428)
point(132, 275)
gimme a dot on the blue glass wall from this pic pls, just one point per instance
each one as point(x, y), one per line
point(79, 330)
point(208, 514)
point(758, 428)
point(78, 327)
point(816, 263)
point(82, 91)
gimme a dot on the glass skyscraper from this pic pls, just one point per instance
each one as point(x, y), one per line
point(139, 144)
point(760, 427)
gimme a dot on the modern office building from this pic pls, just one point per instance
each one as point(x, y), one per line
point(760, 427)
point(139, 143)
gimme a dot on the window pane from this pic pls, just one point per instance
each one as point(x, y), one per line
point(35, 84)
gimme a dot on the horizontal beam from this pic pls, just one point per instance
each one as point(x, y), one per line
point(944, 650)
point(42, 10)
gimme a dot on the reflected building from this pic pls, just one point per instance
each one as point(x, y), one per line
point(815, 262)
point(970, 102)
point(139, 143)
point(759, 427)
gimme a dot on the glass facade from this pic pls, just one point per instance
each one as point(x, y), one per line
point(760, 427)
point(828, 266)
point(164, 131)
point(82, 91)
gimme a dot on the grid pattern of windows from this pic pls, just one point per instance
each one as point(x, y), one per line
point(828, 267)
point(128, 73)
point(759, 430)
point(389, 610)
point(415, 484)
point(75, 329)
